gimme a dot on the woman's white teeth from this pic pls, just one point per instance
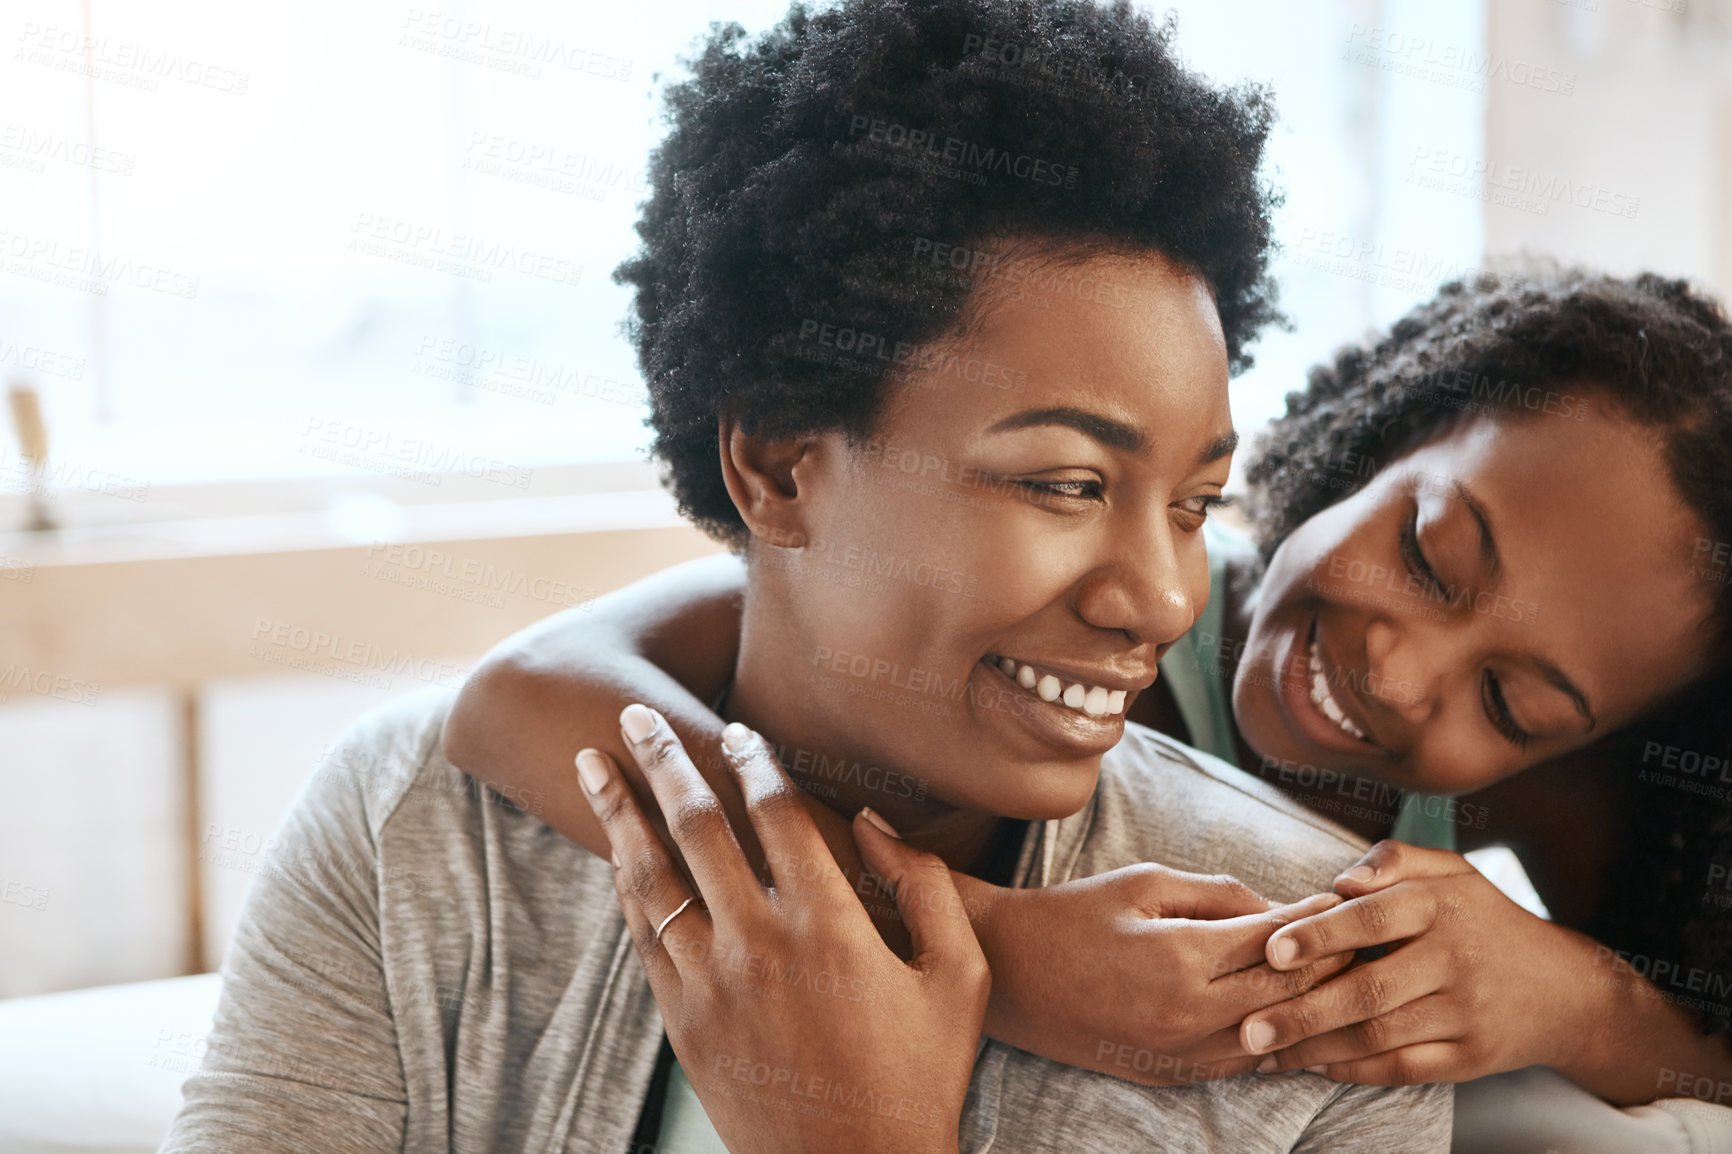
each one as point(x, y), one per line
point(1094, 700)
point(1321, 698)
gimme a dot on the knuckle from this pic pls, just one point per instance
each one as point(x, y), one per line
point(663, 751)
point(1373, 917)
point(697, 819)
point(1374, 993)
point(1372, 1035)
point(611, 804)
point(777, 803)
point(1402, 1071)
point(1388, 853)
point(645, 878)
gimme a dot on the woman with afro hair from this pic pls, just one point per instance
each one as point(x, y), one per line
point(1489, 601)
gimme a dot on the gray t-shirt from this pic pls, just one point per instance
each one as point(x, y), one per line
point(426, 967)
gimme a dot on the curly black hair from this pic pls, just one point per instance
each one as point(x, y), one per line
point(809, 171)
point(1536, 340)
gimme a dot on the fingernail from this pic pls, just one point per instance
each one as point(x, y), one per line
point(592, 770)
point(1282, 951)
point(1317, 1070)
point(1360, 874)
point(1267, 1065)
point(613, 854)
point(637, 721)
point(1259, 1036)
point(871, 815)
point(735, 735)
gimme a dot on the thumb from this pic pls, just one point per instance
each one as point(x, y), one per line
point(1389, 862)
point(931, 908)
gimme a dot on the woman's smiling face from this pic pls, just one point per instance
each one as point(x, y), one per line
point(1024, 525)
point(1508, 592)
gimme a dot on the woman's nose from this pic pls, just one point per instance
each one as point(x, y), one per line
point(1153, 597)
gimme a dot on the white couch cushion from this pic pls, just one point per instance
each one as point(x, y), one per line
point(98, 1071)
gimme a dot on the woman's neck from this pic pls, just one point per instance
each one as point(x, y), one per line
point(767, 696)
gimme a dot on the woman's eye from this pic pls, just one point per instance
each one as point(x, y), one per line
point(1497, 710)
point(1081, 490)
point(1414, 557)
point(1199, 508)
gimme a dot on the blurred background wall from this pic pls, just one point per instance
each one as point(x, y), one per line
point(315, 308)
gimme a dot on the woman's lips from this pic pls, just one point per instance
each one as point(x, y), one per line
point(1054, 724)
point(1050, 685)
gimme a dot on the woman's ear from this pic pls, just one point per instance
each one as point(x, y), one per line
point(764, 477)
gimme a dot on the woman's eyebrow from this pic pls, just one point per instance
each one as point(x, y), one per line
point(1113, 434)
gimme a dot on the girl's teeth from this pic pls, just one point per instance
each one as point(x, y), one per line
point(1324, 701)
point(1094, 700)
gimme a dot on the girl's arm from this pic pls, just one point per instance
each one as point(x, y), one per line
point(1152, 961)
point(558, 686)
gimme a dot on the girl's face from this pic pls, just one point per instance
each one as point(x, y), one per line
point(1025, 525)
point(1511, 591)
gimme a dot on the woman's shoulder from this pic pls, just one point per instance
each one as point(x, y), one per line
point(1160, 800)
